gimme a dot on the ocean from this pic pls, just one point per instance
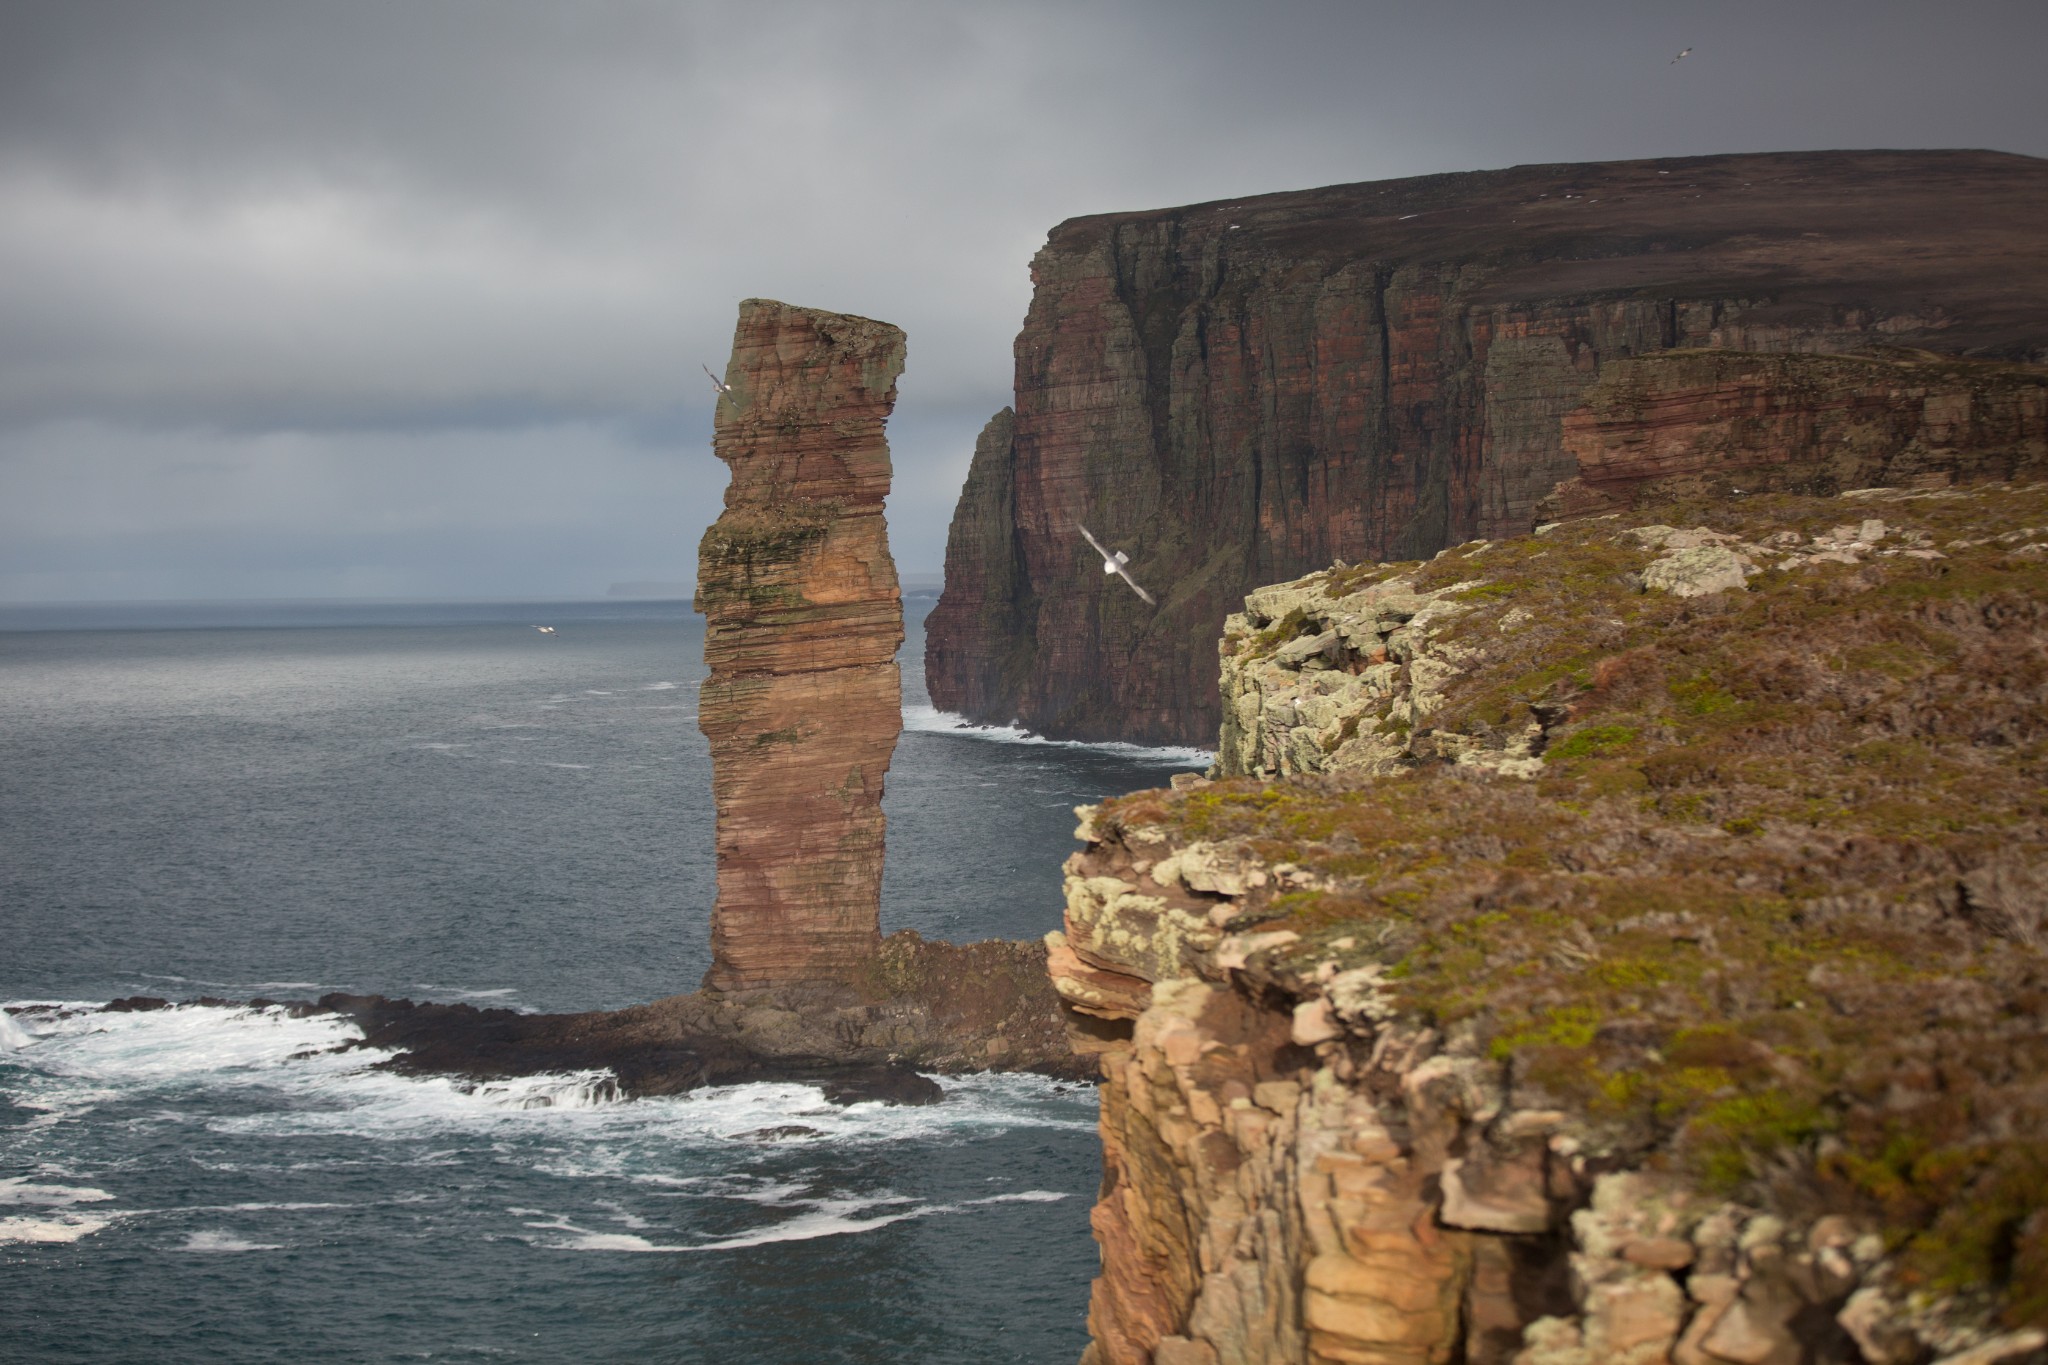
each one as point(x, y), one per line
point(439, 801)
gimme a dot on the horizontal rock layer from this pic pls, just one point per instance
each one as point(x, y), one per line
point(1690, 422)
point(803, 617)
point(1236, 393)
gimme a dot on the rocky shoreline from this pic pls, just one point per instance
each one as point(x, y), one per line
point(919, 1008)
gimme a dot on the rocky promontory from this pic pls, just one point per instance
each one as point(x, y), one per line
point(1240, 392)
point(1623, 943)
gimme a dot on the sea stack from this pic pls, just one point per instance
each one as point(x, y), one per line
point(803, 617)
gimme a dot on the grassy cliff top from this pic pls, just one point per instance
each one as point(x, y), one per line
point(1773, 907)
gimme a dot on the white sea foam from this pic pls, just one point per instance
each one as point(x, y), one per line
point(13, 1037)
point(56, 1220)
point(819, 1217)
point(658, 687)
point(930, 720)
point(497, 993)
point(324, 1083)
point(224, 1241)
point(19, 1190)
point(64, 1227)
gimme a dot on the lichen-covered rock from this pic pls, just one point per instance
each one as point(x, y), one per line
point(1239, 392)
point(1719, 1042)
point(802, 620)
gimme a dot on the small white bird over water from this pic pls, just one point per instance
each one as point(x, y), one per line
point(545, 630)
point(1679, 58)
point(1115, 564)
point(716, 382)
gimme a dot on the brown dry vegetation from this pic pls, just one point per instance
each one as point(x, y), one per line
point(1775, 910)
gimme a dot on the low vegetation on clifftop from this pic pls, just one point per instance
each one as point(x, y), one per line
point(1720, 828)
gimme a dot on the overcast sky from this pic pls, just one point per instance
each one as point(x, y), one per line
point(407, 297)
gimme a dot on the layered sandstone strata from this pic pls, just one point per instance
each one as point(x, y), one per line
point(1722, 422)
point(1237, 393)
point(803, 617)
point(1645, 965)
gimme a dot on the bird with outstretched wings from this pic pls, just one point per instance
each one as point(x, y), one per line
point(1114, 563)
point(724, 389)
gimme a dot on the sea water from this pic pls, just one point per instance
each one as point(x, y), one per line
point(444, 803)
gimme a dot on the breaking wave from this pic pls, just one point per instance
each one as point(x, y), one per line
point(932, 721)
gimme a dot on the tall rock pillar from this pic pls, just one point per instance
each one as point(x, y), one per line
point(803, 617)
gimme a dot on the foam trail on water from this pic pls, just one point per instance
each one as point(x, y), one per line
point(224, 1241)
point(13, 1037)
point(930, 720)
point(56, 1220)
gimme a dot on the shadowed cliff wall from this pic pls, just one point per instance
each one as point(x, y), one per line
point(1240, 391)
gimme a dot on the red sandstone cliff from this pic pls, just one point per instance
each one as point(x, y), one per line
point(803, 619)
point(1239, 392)
point(1688, 422)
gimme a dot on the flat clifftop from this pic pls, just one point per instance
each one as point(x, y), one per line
point(1823, 230)
point(1239, 392)
point(1662, 898)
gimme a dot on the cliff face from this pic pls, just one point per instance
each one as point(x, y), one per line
point(1645, 964)
point(1236, 393)
point(1690, 422)
point(803, 619)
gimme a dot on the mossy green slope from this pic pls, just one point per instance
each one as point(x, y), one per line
point(1773, 909)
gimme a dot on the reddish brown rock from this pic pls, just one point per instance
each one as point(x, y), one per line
point(1237, 393)
point(1689, 422)
point(803, 619)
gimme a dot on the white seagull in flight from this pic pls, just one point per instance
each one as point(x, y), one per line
point(716, 383)
point(1679, 58)
point(1115, 564)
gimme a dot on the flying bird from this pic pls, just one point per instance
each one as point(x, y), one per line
point(716, 382)
point(545, 630)
point(1115, 564)
point(1680, 57)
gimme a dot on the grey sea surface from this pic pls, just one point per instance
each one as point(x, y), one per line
point(439, 801)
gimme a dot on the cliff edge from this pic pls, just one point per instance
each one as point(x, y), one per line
point(1627, 945)
point(1240, 392)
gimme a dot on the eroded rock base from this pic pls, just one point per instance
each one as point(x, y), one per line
point(920, 1006)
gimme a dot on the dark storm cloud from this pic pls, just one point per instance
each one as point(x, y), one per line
point(476, 248)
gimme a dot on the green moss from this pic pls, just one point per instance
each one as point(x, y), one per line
point(1594, 739)
point(1699, 695)
point(1733, 1140)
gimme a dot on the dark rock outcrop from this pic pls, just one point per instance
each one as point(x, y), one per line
point(803, 617)
point(1239, 392)
point(914, 1006)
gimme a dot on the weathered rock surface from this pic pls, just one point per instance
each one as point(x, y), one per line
point(1690, 422)
point(1714, 1035)
point(803, 617)
point(916, 1005)
point(1237, 393)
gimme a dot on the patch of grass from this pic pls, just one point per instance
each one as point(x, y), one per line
point(1594, 740)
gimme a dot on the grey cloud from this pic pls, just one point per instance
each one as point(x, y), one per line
point(474, 223)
